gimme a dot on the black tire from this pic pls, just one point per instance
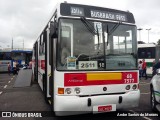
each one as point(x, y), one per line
point(153, 101)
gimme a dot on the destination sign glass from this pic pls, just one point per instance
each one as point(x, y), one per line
point(108, 15)
point(77, 11)
point(67, 9)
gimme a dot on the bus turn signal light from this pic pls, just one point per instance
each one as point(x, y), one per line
point(60, 90)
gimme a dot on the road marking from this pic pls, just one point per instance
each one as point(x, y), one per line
point(11, 78)
point(147, 118)
point(1, 92)
point(3, 79)
point(5, 86)
point(9, 81)
point(144, 83)
point(145, 93)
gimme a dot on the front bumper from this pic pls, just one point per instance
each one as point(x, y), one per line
point(71, 105)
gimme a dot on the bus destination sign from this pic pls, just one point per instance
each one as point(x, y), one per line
point(95, 12)
point(108, 15)
point(77, 11)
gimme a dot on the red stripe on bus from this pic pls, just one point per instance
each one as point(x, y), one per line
point(80, 79)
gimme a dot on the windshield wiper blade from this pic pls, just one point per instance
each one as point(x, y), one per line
point(90, 27)
point(120, 54)
point(114, 28)
point(107, 34)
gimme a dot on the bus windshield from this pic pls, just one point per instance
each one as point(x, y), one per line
point(113, 48)
point(18, 56)
point(5, 56)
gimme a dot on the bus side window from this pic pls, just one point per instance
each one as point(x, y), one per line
point(149, 54)
point(142, 54)
point(53, 33)
point(39, 42)
point(44, 41)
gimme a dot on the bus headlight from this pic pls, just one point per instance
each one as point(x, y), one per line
point(134, 87)
point(68, 90)
point(128, 87)
point(77, 90)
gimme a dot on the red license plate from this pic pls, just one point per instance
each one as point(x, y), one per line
point(104, 108)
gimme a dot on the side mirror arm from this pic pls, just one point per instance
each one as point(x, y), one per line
point(53, 29)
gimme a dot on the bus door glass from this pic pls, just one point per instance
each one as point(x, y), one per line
point(5, 58)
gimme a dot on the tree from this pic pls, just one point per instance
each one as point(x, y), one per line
point(141, 42)
point(158, 42)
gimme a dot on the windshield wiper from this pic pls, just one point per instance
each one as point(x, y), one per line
point(90, 27)
point(112, 30)
point(121, 54)
point(107, 34)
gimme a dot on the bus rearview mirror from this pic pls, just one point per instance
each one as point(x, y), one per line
point(53, 29)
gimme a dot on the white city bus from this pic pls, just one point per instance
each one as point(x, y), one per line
point(85, 60)
point(148, 52)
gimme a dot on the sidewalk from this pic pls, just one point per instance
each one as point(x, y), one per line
point(23, 98)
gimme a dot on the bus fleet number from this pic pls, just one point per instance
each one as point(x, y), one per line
point(129, 79)
point(87, 65)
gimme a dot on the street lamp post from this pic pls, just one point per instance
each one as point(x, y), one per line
point(148, 33)
point(12, 44)
point(139, 29)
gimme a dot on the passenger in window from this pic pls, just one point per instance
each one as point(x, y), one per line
point(144, 67)
point(140, 69)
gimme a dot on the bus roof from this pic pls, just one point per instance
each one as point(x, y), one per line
point(146, 45)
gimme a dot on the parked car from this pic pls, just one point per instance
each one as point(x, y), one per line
point(155, 91)
point(22, 67)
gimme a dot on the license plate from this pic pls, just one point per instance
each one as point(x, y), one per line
point(104, 108)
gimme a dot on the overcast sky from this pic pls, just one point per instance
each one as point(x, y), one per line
point(23, 20)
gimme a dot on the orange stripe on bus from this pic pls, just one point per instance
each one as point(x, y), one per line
point(103, 76)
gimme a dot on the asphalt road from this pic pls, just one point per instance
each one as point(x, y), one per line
point(30, 99)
